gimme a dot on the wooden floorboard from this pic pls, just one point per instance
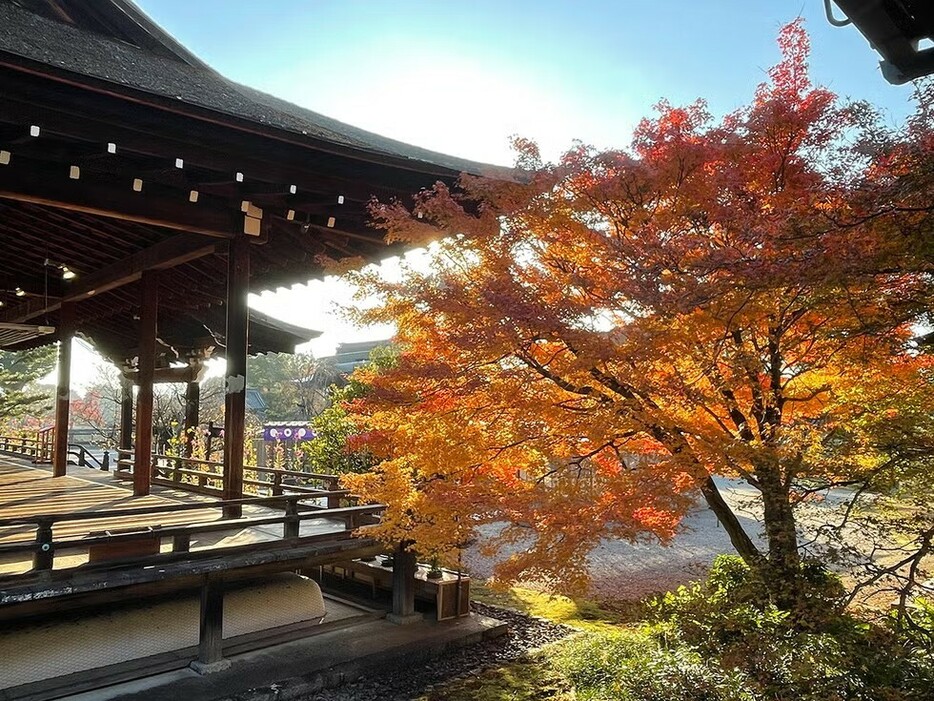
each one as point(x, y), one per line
point(26, 490)
point(29, 491)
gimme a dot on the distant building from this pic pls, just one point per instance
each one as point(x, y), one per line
point(350, 356)
point(255, 402)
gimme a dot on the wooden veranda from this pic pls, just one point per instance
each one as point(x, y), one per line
point(143, 196)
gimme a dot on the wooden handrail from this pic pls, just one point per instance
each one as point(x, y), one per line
point(220, 466)
point(20, 439)
point(26, 447)
point(188, 473)
point(84, 456)
point(346, 513)
point(44, 545)
point(146, 510)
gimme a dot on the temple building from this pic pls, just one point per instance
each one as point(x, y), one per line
point(143, 196)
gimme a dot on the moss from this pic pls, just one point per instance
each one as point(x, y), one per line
point(578, 613)
point(526, 680)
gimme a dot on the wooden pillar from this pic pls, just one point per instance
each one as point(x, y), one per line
point(403, 588)
point(192, 411)
point(149, 309)
point(238, 280)
point(211, 632)
point(126, 414)
point(66, 325)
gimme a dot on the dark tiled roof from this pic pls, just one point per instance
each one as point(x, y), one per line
point(349, 356)
point(86, 53)
point(255, 401)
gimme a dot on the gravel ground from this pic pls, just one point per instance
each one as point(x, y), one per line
point(620, 570)
point(525, 633)
point(625, 571)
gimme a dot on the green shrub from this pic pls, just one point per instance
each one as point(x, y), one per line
point(632, 666)
point(724, 640)
point(916, 623)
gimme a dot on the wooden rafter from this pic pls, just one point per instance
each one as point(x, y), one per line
point(165, 254)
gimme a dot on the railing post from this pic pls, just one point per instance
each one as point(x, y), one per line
point(105, 461)
point(82, 457)
point(178, 466)
point(181, 543)
point(44, 556)
point(291, 525)
point(277, 484)
point(334, 500)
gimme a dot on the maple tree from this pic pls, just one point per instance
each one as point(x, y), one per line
point(600, 338)
point(336, 448)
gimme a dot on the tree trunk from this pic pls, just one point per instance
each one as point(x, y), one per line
point(784, 564)
point(740, 540)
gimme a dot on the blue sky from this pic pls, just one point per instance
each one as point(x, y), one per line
point(462, 77)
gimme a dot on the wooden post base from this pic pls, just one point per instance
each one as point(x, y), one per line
point(211, 639)
point(210, 667)
point(404, 619)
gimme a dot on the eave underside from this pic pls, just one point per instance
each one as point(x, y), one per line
point(100, 185)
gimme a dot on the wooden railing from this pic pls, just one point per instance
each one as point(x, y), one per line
point(288, 513)
point(131, 565)
point(207, 477)
point(19, 445)
point(40, 450)
point(45, 444)
point(85, 458)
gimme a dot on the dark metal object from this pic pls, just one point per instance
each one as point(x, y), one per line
point(895, 29)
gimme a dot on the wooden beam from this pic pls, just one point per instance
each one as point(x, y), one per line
point(237, 337)
point(211, 629)
point(37, 330)
point(170, 375)
point(63, 390)
point(177, 250)
point(149, 308)
point(116, 200)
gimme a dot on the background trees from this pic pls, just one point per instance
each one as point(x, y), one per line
point(293, 385)
point(601, 338)
point(20, 395)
